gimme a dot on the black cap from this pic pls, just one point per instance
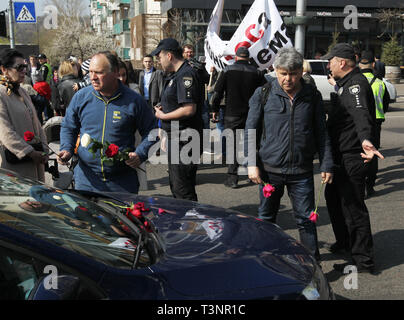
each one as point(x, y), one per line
point(167, 44)
point(242, 52)
point(341, 50)
point(41, 56)
point(367, 57)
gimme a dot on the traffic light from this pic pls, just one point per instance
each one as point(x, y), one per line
point(3, 27)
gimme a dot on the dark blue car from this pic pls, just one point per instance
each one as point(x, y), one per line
point(67, 245)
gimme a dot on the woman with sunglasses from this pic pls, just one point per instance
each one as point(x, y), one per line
point(18, 115)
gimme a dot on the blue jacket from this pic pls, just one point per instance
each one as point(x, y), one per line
point(293, 132)
point(115, 120)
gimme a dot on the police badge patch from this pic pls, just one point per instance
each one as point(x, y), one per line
point(187, 82)
point(355, 89)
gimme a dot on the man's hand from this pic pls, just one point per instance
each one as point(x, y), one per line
point(75, 87)
point(159, 112)
point(64, 157)
point(215, 117)
point(326, 177)
point(133, 161)
point(254, 175)
point(369, 151)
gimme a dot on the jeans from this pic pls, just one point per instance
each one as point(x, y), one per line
point(205, 115)
point(301, 193)
point(220, 128)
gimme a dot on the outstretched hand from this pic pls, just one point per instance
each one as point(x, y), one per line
point(369, 151)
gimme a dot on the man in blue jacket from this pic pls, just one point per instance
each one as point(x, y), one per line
point(293, 130)
point(107, 111)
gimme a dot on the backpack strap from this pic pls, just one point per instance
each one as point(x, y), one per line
point(373, 81)
point(265, 89)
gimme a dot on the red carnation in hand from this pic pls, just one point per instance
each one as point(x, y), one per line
point(28, 136)
point(112, 150)
point(313, 216)
point(268, 190)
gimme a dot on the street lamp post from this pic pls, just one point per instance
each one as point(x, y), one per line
point(300, 28)
point(11, 23)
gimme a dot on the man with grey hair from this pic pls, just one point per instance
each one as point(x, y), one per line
point(292, 118)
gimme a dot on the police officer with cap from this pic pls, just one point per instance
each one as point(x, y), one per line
point(179, 111)
point(351, 124)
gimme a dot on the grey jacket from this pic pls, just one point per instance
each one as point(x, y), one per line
point(155, 86)
point(293, 132)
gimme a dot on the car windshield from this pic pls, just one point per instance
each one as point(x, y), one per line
point(66, 220)
point(318, 68)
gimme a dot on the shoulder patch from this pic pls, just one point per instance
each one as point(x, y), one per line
point(187, 82)
point(355, 89)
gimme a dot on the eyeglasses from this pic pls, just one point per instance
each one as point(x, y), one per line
point(20, 67)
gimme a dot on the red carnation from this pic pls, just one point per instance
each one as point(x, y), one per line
point(28, 136)
point(112, 150)
point(268, 190)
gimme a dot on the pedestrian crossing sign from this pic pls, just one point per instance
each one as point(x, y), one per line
point(24, 12)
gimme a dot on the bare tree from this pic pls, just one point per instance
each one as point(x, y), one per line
point(392, 19)
point(74, 36)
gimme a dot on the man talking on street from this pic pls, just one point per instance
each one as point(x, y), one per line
point(351, 125)
point(107, 111)
point(293, 126)
point(180, 111)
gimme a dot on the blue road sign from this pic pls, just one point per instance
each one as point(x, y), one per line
point(24, 12)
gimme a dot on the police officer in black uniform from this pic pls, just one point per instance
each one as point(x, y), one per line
point(351, 124)
point(180, 114)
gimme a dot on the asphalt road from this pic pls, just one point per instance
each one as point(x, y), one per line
point(386, 212)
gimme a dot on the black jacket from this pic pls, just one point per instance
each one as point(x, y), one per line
point(155, 86)
point(293, 132)
point(66, 91)
point(352, 115)
point(238, 81)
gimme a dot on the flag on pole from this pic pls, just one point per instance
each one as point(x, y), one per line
point(262, 31)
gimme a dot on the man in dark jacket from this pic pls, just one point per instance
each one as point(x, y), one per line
point(150, 82)
point(238, 82)
point(294, 129)
point(351, 125)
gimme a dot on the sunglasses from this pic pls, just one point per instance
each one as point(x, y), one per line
point(20, 67)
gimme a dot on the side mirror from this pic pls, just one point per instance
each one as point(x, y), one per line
point(63, 287)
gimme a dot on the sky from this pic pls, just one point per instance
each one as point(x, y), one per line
point(39, 5)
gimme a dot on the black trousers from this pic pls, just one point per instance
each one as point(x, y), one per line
point(182, 176)
point(347, 209)
point(233, 123)
point(374, 164)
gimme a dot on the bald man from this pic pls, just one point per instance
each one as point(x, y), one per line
point(107, 111)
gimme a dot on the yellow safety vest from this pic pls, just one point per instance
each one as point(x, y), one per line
point(378, 88)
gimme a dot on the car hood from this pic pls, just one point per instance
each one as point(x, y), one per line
point(208, 248)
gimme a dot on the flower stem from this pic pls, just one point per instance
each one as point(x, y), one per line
point(318, 196)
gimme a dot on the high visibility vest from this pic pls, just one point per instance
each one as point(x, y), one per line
point(378, 88)
point(49, 75)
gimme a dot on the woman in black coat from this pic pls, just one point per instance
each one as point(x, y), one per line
point(68, 75)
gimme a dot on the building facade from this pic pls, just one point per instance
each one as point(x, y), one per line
point(138, 25)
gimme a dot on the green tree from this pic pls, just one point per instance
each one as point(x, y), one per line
point(392, 52)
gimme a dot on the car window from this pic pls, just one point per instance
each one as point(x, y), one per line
point(18, 275)
point(318, 68)
point(69, 221)
point(21, 273)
